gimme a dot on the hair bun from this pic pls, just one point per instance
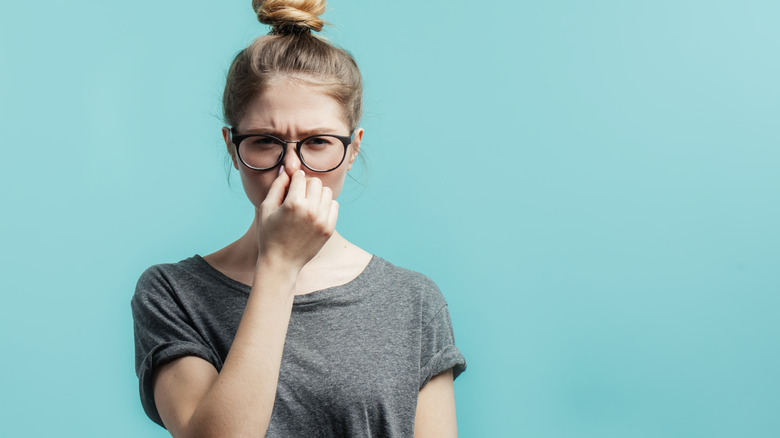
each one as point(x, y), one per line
point(290, 16)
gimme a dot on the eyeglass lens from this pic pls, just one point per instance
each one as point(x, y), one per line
point(321, 153)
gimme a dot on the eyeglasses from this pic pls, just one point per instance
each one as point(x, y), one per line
point(319, 153)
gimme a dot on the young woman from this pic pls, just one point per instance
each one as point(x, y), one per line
point(292, 331)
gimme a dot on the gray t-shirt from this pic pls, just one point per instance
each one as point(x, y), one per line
point(354, 359)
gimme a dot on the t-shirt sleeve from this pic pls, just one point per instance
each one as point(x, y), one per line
point(163, 332)
point(438, 350)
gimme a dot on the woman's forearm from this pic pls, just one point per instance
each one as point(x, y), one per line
point(241, 399)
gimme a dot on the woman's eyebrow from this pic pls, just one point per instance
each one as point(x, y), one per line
point(302, 133)
point(259, 131)
point(321, 130)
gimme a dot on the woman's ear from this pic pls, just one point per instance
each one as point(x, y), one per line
point(230, 147)
point(357, 137)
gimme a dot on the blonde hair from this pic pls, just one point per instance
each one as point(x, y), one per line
point(291, 51)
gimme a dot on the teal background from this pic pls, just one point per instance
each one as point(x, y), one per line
point(593, 185)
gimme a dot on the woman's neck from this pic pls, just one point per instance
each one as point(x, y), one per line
point(247, 247)
point(337, 262)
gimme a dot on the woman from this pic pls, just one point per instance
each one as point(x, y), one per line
point(292, 331)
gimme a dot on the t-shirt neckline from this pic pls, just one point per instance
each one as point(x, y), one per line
point(310, 297)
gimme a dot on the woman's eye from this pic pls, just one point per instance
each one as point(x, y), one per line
point(319, 141)
point(262, 142)
point(265, 140)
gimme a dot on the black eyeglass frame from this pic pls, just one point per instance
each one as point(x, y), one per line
point(237, 139)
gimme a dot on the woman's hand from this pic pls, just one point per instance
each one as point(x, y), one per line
point(293, 228)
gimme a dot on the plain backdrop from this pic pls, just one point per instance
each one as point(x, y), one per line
point(593, 185)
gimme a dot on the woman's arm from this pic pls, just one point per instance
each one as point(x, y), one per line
point(435, 415)
point(192, 398)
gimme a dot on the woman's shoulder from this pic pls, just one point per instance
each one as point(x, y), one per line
point(169, 270)
point(401, 279)
point(385, 268)
point(190, 274)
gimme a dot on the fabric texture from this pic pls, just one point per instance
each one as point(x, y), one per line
point(354, 359)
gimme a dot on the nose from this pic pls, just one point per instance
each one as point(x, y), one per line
point(291, 161)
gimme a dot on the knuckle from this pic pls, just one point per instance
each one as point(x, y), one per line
point(324, 229)
point(266, 205)
point(291, 205)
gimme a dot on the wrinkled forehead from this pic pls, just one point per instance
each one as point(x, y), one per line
point(290, 105)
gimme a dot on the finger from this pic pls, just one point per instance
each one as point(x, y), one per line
point(334, 215)
point(297, 190)
point(325, 205)
point(276, 193)
point(313, 191)
point(325, 200)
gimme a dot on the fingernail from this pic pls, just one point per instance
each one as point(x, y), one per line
point(302, 172)
point(281, 169)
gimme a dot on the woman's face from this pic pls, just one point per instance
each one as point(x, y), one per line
point(292, 110)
